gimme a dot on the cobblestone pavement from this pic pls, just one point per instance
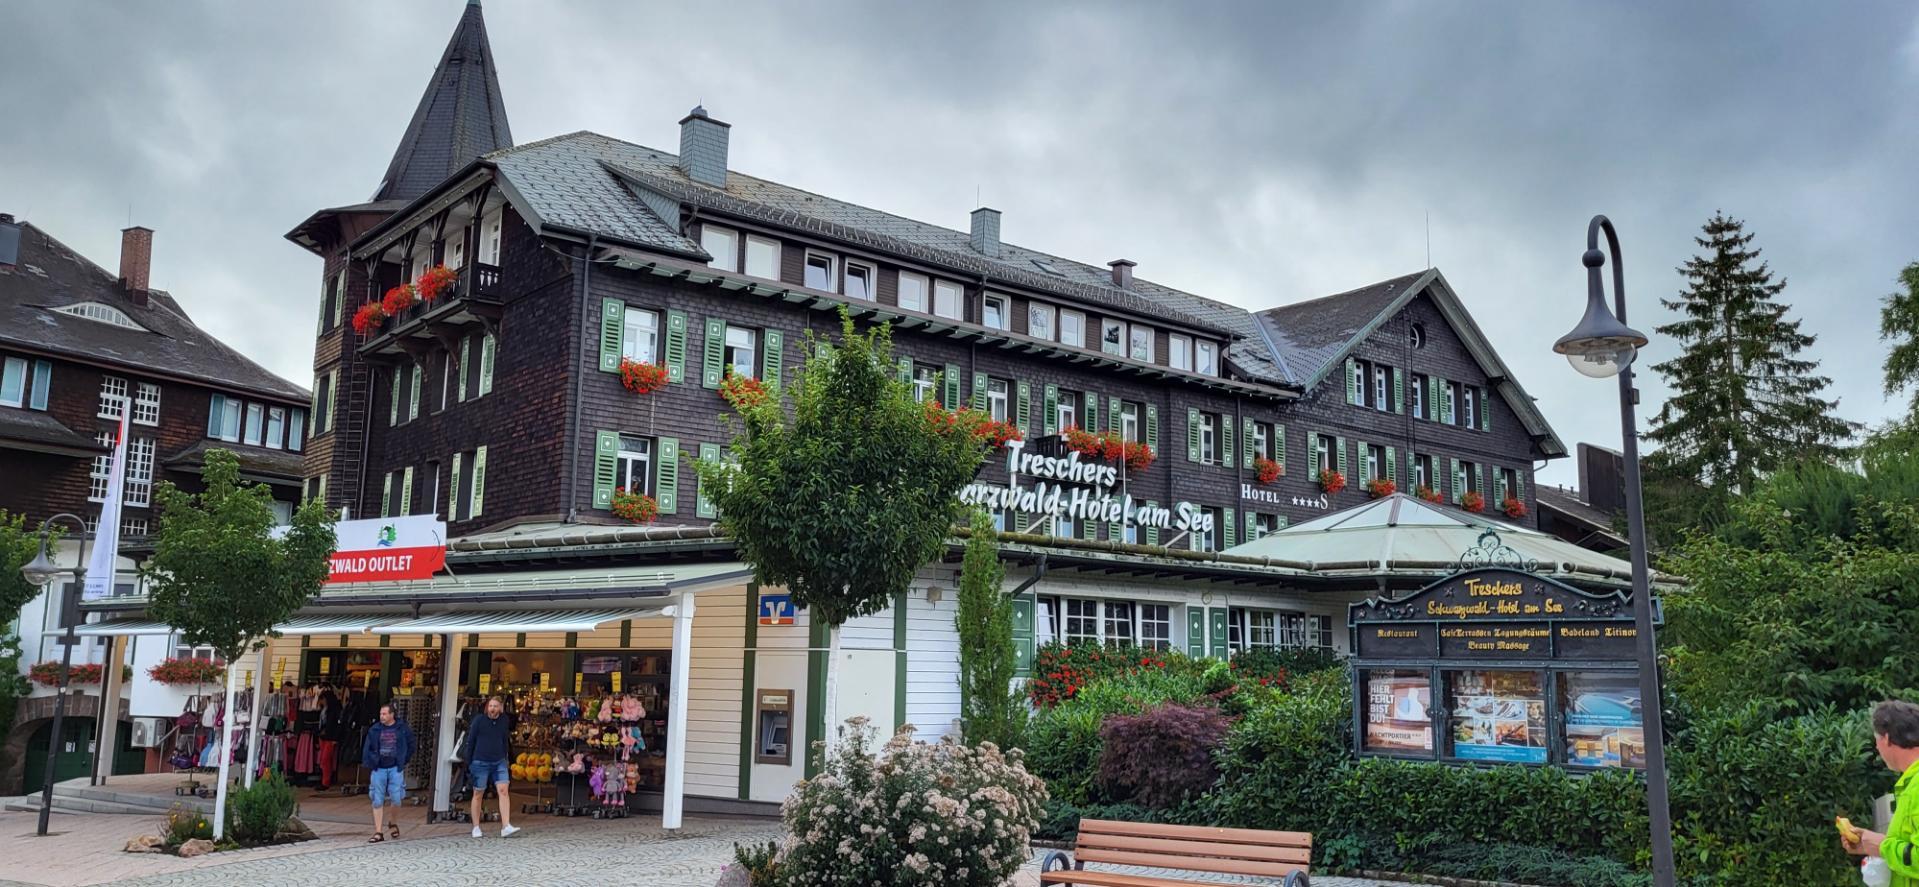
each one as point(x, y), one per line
point(548, 851)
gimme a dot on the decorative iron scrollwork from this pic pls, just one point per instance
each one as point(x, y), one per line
point(1491, 552)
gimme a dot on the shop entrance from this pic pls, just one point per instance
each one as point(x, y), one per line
point(75, 757)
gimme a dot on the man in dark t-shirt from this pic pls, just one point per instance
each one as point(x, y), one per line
point(486, 751)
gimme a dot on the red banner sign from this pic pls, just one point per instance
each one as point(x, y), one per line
point(388, 549)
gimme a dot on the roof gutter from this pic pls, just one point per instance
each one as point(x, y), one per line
point(579, 387)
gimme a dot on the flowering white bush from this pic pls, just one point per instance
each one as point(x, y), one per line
point(913, 813)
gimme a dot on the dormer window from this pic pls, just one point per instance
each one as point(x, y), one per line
point(859, 281)
point(1039, 321)
point(101, 312)
point(1112, 336)
point(723, 244)
point(1206, 358)
point(993, 312)
point(819, 272)
point(1179, 351)
point(1142, 343)
point(1072, 328)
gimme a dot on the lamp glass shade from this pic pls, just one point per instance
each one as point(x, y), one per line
point(41, 570)
point(1600, 346)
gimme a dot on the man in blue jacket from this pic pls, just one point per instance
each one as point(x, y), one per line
point(385, 751)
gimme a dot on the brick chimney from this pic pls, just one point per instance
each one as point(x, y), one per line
point(703, 148)
point(986, 231)
point(136, 261)
point(1122, 272)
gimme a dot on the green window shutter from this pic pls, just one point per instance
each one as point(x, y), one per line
point(905, 373)
point(1392, 465)
point(406, 491)
point(1399, 391)
point(612, 328)
point(1152, 532)
point(666, 476)
point(1192, 434)
point(1499, 487)
point(1252, 526)
point(1365, 466)
point(675, 346)
point(413, 395)
point(1217, 616)
point(950, 382)
point(1225, 440)
point(1519, 485)
point(1114, 532)
point(1279, 446)
point(1050, 420)
point(1021, 520)
point(1339, 457)
point(1449, 407)
point(1433, 401)
point(822, 350)
point(1195, 631)
point(386, 495)
point(1023, 636)
point(1485, 410)
point(1352, 381)
point(1089, 530)
point(466, 361)
point(488, 347)
point(1228, 534)
point(1022, 394)
point(606, 467)
point(393, 403)
point(1092, 411)
point(1152, 428)
point(42, 381)
point(979, 391)
point(1246, 442)
point(773, 361)
point(1312, 453)
point(453, 490)
point(713, 357)
point(479, 481)
point(1459, 480)
point(702, 506)
point(1113, 406)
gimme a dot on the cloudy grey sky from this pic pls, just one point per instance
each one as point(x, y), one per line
point(1254, 152)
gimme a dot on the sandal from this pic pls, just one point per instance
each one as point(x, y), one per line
point(377, 838)
point(394, 828)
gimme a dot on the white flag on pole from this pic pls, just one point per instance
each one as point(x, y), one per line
point(106, 542)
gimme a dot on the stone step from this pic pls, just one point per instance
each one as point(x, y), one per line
point(82, 805)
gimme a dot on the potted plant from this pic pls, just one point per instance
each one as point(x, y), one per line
point(1513, 507)
point(743, 392)
point(1083, 442)
point(1112, 447)
point(1139, 457)
point(996, 433)
point(1331, 481)
point(1473, 501)
point(369, 317)
point(187, 670)
point(1380, 488)
point(1427, 493)
point(642, 378)
point(398, 299)
point(434, 281)
point(1266, 470)
point(635, 507)
point(47, 674)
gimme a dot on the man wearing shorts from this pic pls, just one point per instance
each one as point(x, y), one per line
point(386, 750)
point(486, 754)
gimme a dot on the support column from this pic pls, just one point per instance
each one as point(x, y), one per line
point(108, 732)
point(226, 758)
point(260, 690)
point(443, 736)
point(675, 801)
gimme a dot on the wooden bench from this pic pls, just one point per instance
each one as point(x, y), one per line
point(1188, 848)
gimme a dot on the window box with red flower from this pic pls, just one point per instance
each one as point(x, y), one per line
point(1427, 493)
point(47, 674)
point(187, 670)
point(743, 392)
point(1139, 456)
point(434, 281)
point(1473, 501)
point(1513, 507)
point(1380, 488)
point(1331, 481)
point(398, 299)
point(634, 507)
point(1266, 470)
point(997, 434)
point(1083, 442)
point(642, 378)
point(369, 318)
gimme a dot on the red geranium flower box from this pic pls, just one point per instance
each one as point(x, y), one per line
point(369, 317)
point(1266, 470)
point(1473, 501)
point(642, 378)
point(1331, 481)
point(637, 508)
point(434, 281)
point(398, 299)
point(1380, 488)
point(1513, 507)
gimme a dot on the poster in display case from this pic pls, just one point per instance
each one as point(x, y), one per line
point(1602, 715)
point(1399, 711)
point(1497, 716)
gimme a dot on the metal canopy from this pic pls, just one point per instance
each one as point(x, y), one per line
point(121, 628)
point(331, 623)
point(514, 621)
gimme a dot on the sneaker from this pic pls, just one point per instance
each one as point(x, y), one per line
point(509, 831)
point(476, 831)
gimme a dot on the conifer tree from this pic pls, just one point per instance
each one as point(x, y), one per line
point(1899, 324)
point(1744, 400)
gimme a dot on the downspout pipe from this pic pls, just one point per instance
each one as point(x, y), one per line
point(1039, 572)
point(579, 386)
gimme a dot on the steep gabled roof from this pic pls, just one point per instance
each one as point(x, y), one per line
point(1315, 336)
point(460, 117)
point(50, 276)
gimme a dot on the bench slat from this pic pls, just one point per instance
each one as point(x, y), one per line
point(1196, 832)
point(1109, 879)
point(1188, 863)
point(1188, 847)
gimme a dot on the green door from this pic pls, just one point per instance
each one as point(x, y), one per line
point(75, 758)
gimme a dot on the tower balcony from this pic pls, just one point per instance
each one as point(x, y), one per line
point(475, 298)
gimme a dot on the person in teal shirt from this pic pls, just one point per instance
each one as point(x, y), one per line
point(1895, 727)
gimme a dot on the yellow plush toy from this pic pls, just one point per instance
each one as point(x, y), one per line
point(1848, 833)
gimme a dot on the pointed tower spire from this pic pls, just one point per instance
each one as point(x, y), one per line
point(460, 117)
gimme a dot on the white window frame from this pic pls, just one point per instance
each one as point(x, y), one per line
point(990, 303)
point(1076, 336)
point(138, 483)
point(1138, 348)
point(1452, 400)
point(640, 335)
point(113, 396)
point(255, 423)
point(772, 267)
point(456, 250)
point(1129, 428)
point(1419, 396)
point(1263, 440)
point(230, 420)
point(947, 299)
point(1120, 615)
point(490, 226)
point(296, 430)
point(13, 378)
point(925, 379)
point(1208, 540)
point(752, 349)
point(1423, 471)
point(1042, 321)
point(1114, 344)
point(276, 427)
point(919, 286)
point(146, 404)
point(1209, 451)
point(636, 460)
point(1382, 394)
point(1179, 352)
point(996, 399)
point(1262, 630)
point(422, 259)
point(1158, 617)
point(102, 468)
point(872, 280)
point(1206, 358)
point(1066, 411)
point(723, 244)
point(1471, 404)
point(832, 271)
point(1328, 447)
point(1375, 456)
point(1084, 611)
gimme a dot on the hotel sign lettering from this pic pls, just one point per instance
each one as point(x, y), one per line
point(1496, 614)
point(1090, 496)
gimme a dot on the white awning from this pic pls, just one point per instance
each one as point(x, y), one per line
point(121, 627)
point(329, 623)
point(502, 621)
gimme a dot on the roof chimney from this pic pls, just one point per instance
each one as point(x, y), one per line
point(986, 231)
point(703, 148)
point(9, 240)
point(1122, 272)
point(136, 261)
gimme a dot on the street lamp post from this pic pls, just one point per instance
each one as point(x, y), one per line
point(1603, 345)
point(40, 571)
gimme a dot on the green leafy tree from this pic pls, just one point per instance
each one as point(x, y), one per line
point(18, 545)
point(1899, 324)
point(223, 577)
point(1745, 401)
point(990, 709)
point(845, 499)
